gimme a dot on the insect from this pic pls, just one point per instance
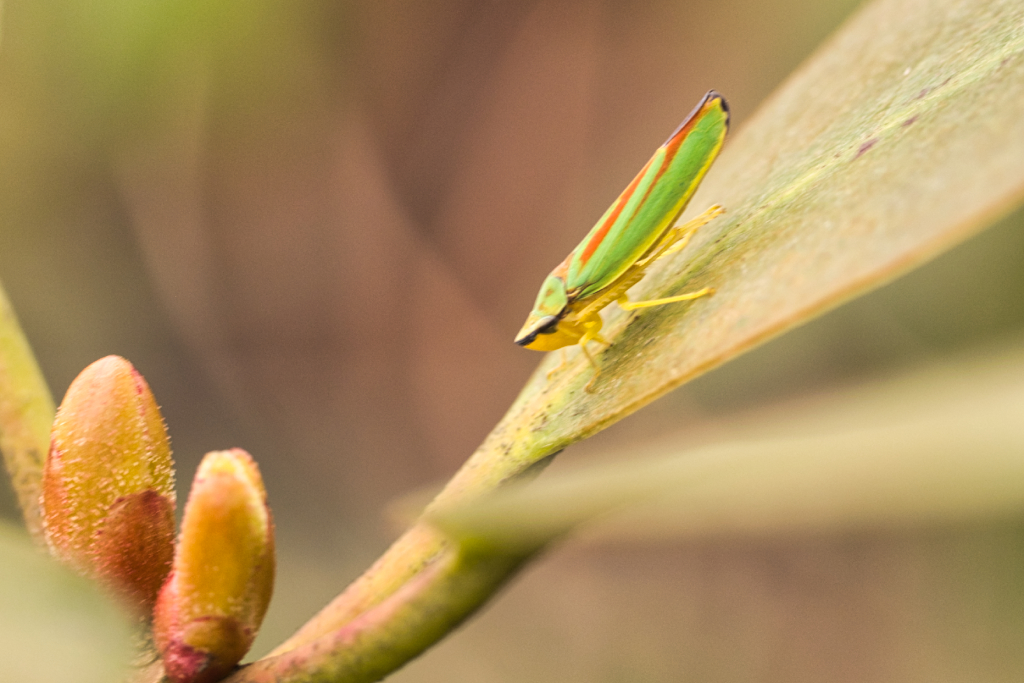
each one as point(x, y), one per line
point(635, 231)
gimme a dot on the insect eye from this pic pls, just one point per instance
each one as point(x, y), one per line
point(548, 325)
point(545, 325)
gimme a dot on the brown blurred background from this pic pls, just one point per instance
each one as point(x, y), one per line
point(315, 227)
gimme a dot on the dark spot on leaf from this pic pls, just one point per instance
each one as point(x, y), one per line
point(866, 146)
point(909, 121)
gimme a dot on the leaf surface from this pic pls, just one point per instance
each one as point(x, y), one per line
point(943, 445)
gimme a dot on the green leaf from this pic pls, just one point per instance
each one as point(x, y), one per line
point(945, 445)
point(55, 627)
point(899, 138)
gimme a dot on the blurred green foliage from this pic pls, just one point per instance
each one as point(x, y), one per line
point(55, 626)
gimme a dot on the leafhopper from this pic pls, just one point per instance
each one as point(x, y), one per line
point(636, 230)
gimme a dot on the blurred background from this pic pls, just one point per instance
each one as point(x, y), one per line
point(315, 228)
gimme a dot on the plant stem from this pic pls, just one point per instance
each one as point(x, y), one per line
point(425, 584)
point(26, 415)
point(412, 619)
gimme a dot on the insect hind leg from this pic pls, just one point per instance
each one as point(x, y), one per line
point(676, 240)
point(627, 305)
point(681, 235)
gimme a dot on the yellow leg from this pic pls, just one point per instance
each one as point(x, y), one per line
point(628, 305)
point(589, 388)
point(676, 240)
point(561, 364)
point(593, 325)
point(687, 229)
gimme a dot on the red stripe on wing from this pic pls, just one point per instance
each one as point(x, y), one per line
point(671, 147)
point(620, 203)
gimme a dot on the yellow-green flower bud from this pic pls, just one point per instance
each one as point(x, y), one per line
point(108, 482)
point(211, 606)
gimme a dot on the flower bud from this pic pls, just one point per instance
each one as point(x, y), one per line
point(134, 547)
point(211, 606)
point(108, 482)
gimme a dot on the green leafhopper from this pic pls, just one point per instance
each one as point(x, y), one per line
point(635, 231)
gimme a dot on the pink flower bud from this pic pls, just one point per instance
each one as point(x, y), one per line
point(213, 603)
point(134, 547)
point(108, 482)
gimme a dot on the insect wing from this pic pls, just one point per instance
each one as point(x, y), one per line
point(651, 204)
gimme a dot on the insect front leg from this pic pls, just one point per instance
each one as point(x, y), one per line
point(592, 324)
point(562, 360)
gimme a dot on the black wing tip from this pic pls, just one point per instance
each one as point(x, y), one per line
point(715, 95)
point(708, 97)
